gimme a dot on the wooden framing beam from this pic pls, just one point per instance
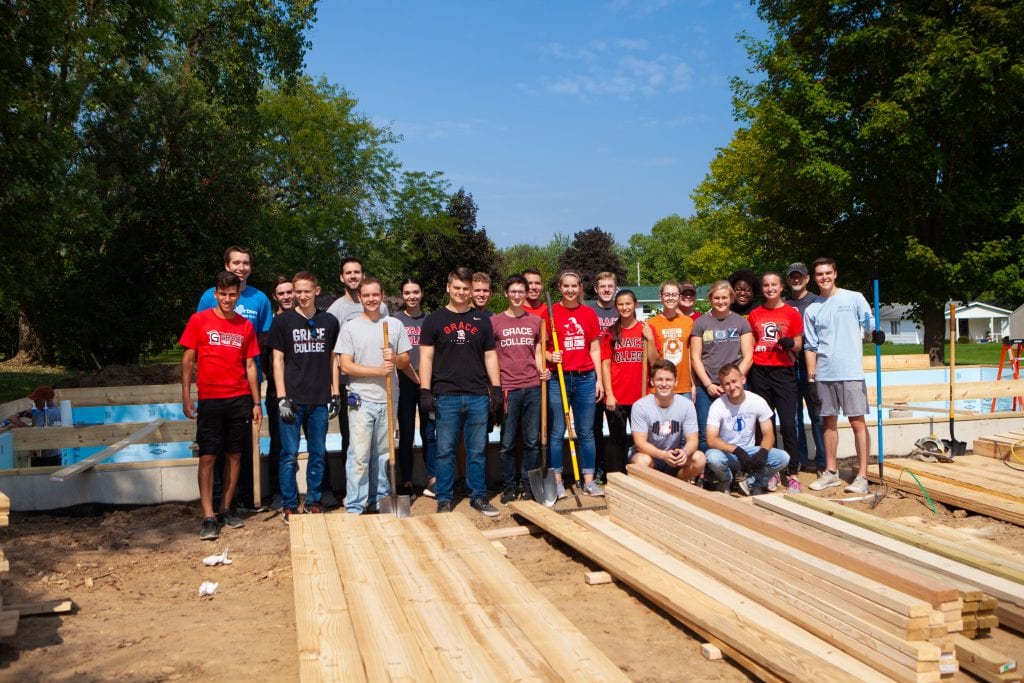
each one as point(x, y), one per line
point(91, 461)
point(925, 393)
point(910, 361)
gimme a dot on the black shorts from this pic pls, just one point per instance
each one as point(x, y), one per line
point(222, 425)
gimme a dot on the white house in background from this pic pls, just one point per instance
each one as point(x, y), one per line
point(981, 321)
point(898, 325)
point(1017, 323)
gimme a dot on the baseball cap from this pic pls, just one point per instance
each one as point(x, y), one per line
point(687, 287)
point(797, 268)
point(41, 394)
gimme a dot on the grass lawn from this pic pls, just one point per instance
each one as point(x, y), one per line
point(966, 354)
point(19, 382)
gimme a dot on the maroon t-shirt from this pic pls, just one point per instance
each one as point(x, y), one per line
point(516, 340)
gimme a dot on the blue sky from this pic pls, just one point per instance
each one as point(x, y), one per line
point(556, 116)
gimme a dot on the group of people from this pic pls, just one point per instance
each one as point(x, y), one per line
point(699, 393)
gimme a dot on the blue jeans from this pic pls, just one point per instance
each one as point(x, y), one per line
point(366, 467)
point(313, 420)
point(723, 466)
point(522, 409)
point(816, 431)
point(581, 391)
point(703, 405)
point(464, 413)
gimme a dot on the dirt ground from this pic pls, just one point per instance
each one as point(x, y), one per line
point(135, 573)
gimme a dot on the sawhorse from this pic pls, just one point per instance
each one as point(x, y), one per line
point(1013, 350)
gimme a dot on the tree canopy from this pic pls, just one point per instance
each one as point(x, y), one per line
point(591, 252)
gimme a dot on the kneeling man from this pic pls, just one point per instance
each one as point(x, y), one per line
point(731, 423)
point(664, 426)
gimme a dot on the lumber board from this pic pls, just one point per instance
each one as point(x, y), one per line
point(997, 586)
point(973, 538)
point(874, 565)
point(328, 650)
point(510, 532)
point(974, 472)
point(139, 394)
point(957, 496)
point(91, 461)
point(8, 623)
point(756, 638)
point(597, 578)
point(985, 662)
point(910, 361)
point(1011, 616)
point(571, 654)
point(1002, 446)
point(101, 435)
point(926, 393)
point(29, 609)
point(919, 539)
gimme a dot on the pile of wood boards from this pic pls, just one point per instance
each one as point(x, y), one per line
point(1002, 446)
point(8, 617)
point(425, 598)
point(971, 482)
point(778, 596)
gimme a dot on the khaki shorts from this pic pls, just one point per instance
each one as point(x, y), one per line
point(850, 397)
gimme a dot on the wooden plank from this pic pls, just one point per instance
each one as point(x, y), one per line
point(101, 435)
point(755, 637)
point(910, 361)
point(510, 532)
point(958, 496)
point(597, 578)
point(970, 471)
point(711, 652)
point(140, 394)
point(91, 461)
point(873, 565)
point(927, 393)
point(997, 586)
point(8, 623)
point(919, 539)
point(29, 609)
point(985, 662)
point(572, 656)
point(328, 649)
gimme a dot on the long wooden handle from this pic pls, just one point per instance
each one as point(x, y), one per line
point(387, 389)
point(565, 399)
point(544, 390)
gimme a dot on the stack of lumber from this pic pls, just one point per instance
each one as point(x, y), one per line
point(8, 617)
point(971, 482)
point(992, 587)
point(424, 598)
point(902, 635)
point(1002, 446)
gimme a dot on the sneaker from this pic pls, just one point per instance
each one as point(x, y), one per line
point(429, 490)
point(810, 468)
point(600, 479)
point(328, 499)
point(793, 485)
point(313, 509)
point(859, 485)
point(445, 506)
point(482, 506)
point(756, 490)
point(226, 518)
point(744, 486)
point(525, 493)
point(826, 480)
point(287, 514)
point(275, 502)
point(560, 491)
point(773, 483)
point(593, 489)
point(209, 530)
point(508, 495)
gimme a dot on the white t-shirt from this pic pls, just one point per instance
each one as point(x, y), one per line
point(736, 422)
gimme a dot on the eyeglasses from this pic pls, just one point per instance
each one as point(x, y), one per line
point(517, 292)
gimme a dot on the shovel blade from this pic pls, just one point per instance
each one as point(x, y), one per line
point(386, 506)
point(403, 506)
point(543, 486)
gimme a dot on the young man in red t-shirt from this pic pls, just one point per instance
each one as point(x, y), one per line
point(224, 346)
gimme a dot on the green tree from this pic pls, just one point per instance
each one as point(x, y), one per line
point(591, 252)
point(667, 251)
point(884, 134)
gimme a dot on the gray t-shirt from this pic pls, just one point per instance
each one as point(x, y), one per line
point(666, 428)
point(720, 339)
point(802, 304)
point(363, 339)
point(345, 310)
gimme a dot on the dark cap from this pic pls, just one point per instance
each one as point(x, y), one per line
point(797, 268)
point(687, 287)
point(41, 394)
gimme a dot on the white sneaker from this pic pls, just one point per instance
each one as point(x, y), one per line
point(859, 485)
point(826, 480)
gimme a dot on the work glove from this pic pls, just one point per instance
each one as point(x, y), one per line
point(750, 462)
point(496, 406)
point(427, 404)
point(334, 407)
point(786, 343)
point(813, 400)
point(286, 409)
point(877, 337)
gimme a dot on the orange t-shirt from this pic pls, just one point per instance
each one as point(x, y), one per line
point(673, 340)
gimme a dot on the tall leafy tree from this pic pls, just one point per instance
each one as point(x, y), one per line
point(669, 251)
point(591, 252)
point(886, 134)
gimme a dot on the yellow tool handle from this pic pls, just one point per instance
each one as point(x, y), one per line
point(565, 399)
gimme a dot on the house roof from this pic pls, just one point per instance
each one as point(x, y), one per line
point(979, 310)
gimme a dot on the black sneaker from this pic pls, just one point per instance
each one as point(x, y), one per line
point(209, 531)
point(228, 519)
point(444, 506)
point(484, 507)
point(525, 493)
point(508, 495)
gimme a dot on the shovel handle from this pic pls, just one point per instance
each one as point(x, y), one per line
point(391, 425)
point(561, 388)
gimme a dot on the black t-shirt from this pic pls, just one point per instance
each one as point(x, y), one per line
point(307, 347)
point(459, 341)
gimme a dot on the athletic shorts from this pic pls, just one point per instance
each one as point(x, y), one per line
point(850, 397)
point(657, 464)
point(222, 425)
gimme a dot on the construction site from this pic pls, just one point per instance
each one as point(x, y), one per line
point(921, 580)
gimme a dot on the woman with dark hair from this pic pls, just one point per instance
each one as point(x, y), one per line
point(626, 347)
point(745, 286)
point(409, 395)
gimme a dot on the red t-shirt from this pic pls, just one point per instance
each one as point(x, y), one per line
point(541, 310)
point(577, 328)
point(770, 325)
point(222, 347)
point(627, 363)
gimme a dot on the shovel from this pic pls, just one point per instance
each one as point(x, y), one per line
point(542, 480)
point(393, 504)
point(565, 409)
point(955, 447)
